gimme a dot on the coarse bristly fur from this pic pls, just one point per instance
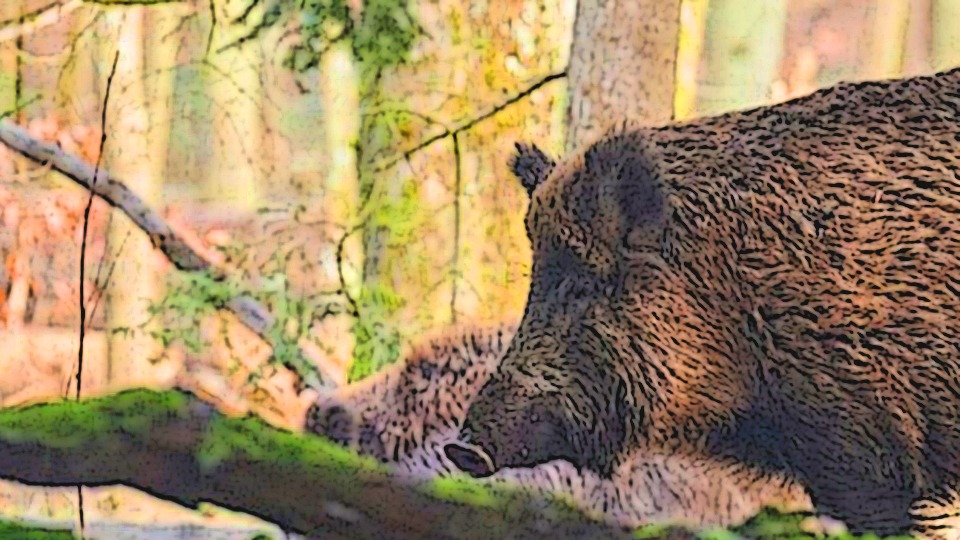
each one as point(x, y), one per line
point(778, 287)
point(407, 413)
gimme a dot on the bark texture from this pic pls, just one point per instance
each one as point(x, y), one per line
point(622, 65)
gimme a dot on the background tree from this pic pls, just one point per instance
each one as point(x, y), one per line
point(622, 65)
point(140, 112)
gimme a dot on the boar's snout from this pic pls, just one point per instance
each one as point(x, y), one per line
point(470, 459)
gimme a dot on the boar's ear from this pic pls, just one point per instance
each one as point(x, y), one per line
point(531, 166)
point(643, 207)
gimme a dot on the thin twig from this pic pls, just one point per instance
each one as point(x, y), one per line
point(36, 20)
point(29, 15)
point(86, 219)
point(106, 281)
point(343, 281)
point(83, 255)
point(213, 27)
point(456, 228)
point(391, 161)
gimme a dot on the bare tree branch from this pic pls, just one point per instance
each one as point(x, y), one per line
point(37, 19)
point(447, 132)
point(248, 310)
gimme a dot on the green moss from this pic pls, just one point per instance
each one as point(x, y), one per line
point(718, 534)
point(251, 438)
point(770, 524)
point(463, 490)
point(650, 531)
point(19, 531)
point(66, 423)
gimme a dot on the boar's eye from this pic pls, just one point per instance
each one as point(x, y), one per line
point(534, 417)
point(524, 452)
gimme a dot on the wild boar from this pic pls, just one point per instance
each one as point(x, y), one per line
point(778, 287)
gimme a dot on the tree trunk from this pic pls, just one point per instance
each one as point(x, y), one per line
point(742, 54)
point(236, 171)
point(946, 34)
point(341, 198)
point(622, 65)
point(9, 11)
point(693, 20)
point(891, 20)
point(918, 45)
point(130, 153)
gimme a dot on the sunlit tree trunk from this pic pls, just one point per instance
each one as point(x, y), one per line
point(622, 65)
point(137, 123)
point(693, 19)
point(918, 41)
point(946, 34)
point(236, 171)
point(341, 198)
point(376, 331)
point(891, 23)
point(9, 11)
point(742, 51)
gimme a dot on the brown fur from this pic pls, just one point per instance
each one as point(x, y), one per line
point(407, 413)
point(778, 287)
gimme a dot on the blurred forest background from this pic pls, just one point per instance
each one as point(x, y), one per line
point(344, 162)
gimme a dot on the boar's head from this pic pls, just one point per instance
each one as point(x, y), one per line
point(562, 390)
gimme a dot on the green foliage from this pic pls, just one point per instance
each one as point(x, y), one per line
point(392, 226)
point(382, 37)
point(192, 296)
point(377, 341)
point(21, 531)
point(400, 215)
point(386, 33)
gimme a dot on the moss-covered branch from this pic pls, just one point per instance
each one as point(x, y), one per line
point(174, 446)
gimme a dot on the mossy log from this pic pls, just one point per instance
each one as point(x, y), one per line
point(174, 446)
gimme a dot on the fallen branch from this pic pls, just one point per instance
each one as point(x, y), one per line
point(248, 310)
point(176, 447)
point(38, 19)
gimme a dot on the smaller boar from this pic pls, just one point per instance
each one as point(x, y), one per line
point(406, 414)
